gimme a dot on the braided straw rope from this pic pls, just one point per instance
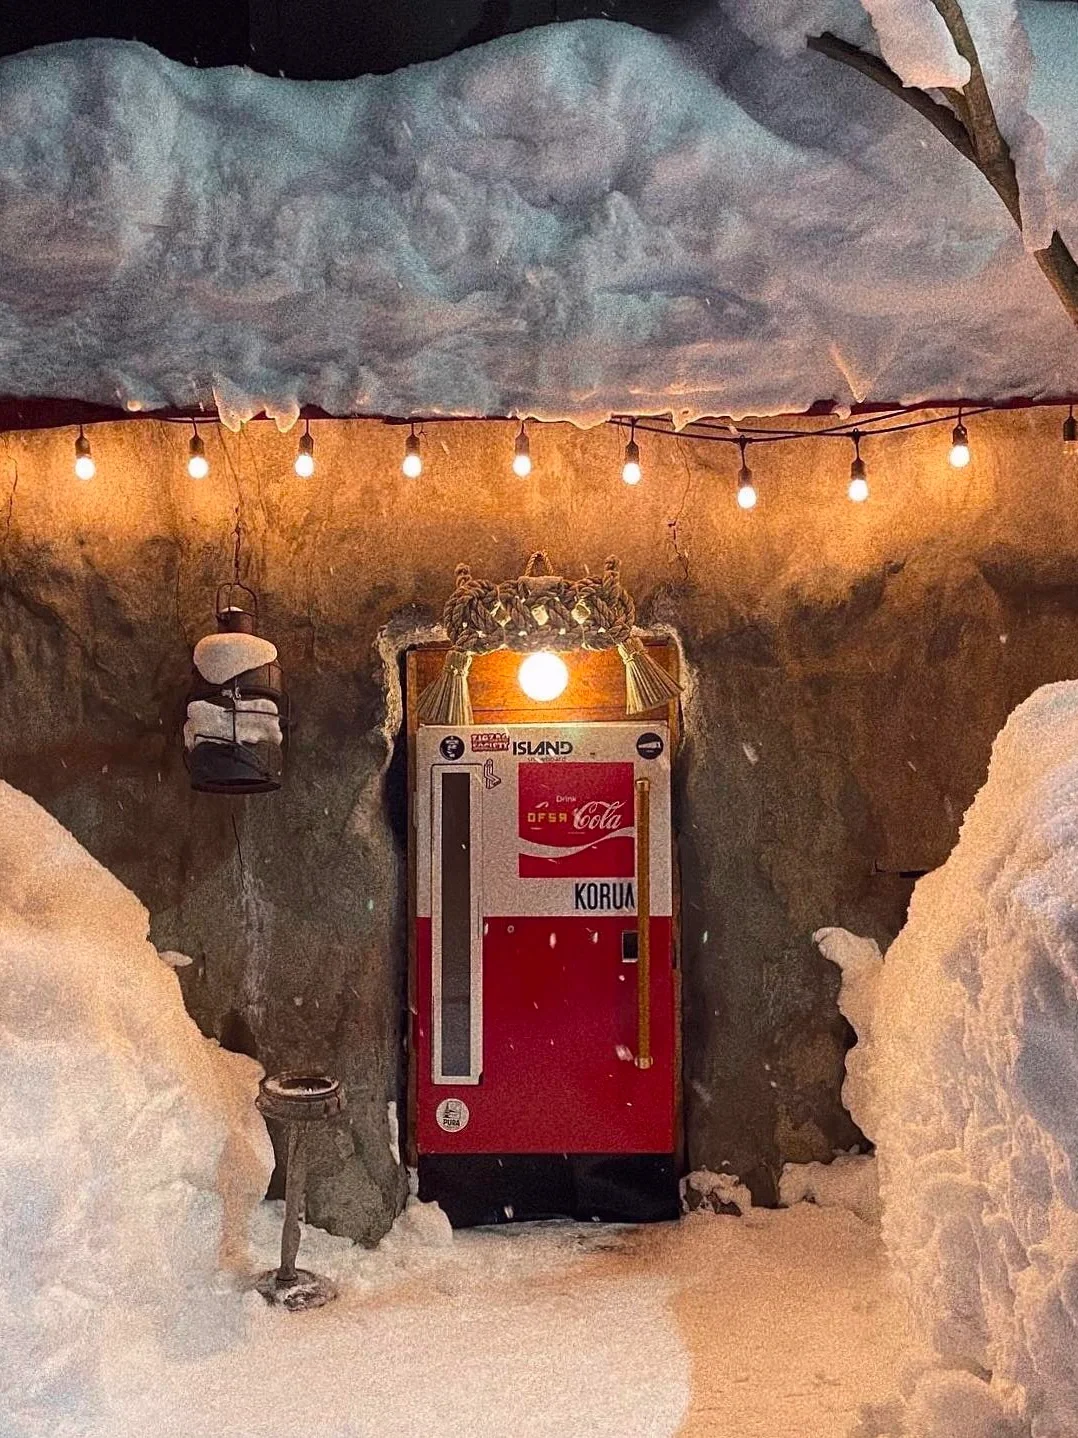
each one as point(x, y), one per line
point(539, 610)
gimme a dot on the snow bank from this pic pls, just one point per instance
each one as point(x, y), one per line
point(966, 1076)
point(709, 1192)
point(849, 1181)
point(581, 219)
point(130, 1151)
point(916, 43)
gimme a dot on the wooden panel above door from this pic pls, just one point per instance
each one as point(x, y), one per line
point(595, 692)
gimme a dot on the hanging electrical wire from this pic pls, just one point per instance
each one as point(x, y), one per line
point(886, 421)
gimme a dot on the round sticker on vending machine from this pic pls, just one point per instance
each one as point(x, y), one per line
point(452, 1115)
point(452, 746)
point(649, 746)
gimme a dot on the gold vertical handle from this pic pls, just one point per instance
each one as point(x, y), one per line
point(643, 923)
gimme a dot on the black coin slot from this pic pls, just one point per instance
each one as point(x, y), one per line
point(630, 946)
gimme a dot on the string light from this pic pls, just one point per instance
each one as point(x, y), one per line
point(631, 472)
point(858, 490)
point(746, 490)
point(882, 421)
point(84, 460)
point(959, 455)
point(198, 466)
point(412, 464)
point(304, 465)
point(522, 457)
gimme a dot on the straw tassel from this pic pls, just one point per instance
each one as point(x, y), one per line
point(647, 686)
point(447, 700)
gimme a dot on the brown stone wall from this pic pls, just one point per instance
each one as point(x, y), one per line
point(849, 667)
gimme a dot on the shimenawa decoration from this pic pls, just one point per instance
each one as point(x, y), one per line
point(541, 610)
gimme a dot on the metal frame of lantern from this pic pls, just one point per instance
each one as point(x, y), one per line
point(235, 762)
point(541, 610)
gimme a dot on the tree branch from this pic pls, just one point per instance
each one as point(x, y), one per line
point(945, 121)
point(993, 153)
point(972, 128)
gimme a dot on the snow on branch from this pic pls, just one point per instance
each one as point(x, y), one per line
point(969, 122)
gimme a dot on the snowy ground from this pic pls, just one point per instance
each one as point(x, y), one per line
point(774, 1324)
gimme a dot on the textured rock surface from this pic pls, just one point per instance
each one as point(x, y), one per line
point(849, 668)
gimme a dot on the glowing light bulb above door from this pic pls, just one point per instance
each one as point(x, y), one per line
point(543, 676)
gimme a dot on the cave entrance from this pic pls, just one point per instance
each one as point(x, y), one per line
point(544, 1075)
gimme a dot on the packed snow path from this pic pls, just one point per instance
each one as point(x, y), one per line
point(775, 1324)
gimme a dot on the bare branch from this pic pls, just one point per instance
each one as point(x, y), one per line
point(993, 153)
point(1061, 271)
point(972, 128)
point(945, 121)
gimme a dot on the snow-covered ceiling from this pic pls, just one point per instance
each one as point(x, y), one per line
point(576, 220)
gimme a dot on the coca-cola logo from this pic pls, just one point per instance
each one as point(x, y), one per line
point(576, 820)
point(602, 814)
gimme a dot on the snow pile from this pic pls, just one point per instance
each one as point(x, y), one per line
point(849, 1181)
point(708, 1192)
point(221, 657)
point(130, 1151)
point(916, 43)
point(580, 219)
point(966, 1076)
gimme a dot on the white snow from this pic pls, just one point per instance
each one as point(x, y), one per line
point(773, 1326)
point(581, 219)
point(220, 657)
point(714, 1192)
point(849, 1181)
point(130, 1151)
point(244, 721)
point(966, 1076)
point(131, 1159)
point(916, 43)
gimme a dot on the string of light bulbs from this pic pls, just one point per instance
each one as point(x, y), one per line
point(854, 431)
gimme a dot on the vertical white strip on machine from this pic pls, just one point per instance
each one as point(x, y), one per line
point(456, 923)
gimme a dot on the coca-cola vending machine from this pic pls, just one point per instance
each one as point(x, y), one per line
point(544, 989)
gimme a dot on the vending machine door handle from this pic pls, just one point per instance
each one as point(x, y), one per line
point(643, 923)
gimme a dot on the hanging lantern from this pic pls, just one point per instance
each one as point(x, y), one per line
point(238, 712)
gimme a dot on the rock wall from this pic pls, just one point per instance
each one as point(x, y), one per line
point(848, 669)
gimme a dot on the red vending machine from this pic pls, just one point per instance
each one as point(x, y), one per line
point(545, 1018)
